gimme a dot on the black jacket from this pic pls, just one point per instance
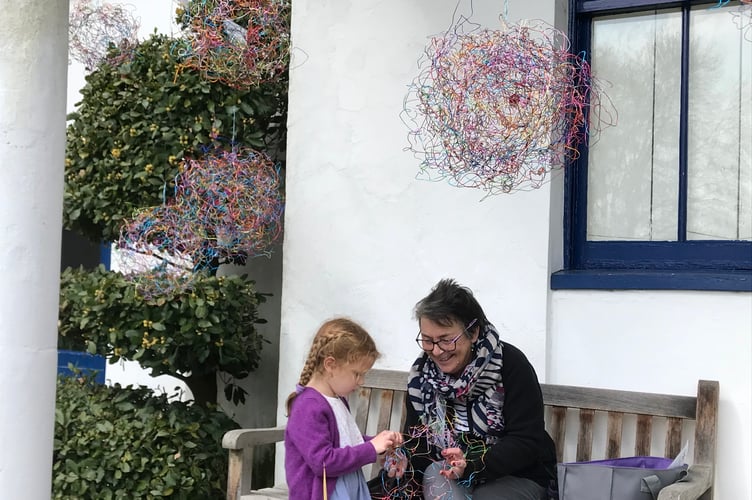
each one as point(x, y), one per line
point(524, 448)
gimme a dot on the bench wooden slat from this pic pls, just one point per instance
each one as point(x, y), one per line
point(386, 379)
point(585, 435)
point(382, 422)
point(385, 410)
point(613, 434)
point(624, 401)
point(379, 405)
point(360, 405)
point(673, 436)
point(398, 406)
point(557, 428)
point(644, 435)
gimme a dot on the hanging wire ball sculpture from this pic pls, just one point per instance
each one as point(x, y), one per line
point(498, 110)
point(94, 28)
point(241, 43)
point(227, 208)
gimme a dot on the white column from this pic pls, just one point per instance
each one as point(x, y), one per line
point(33, 68)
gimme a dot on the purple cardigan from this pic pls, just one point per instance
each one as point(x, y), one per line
point(312, 441)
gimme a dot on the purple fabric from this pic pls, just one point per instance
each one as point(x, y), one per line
point(635, 462)
point(312, 442)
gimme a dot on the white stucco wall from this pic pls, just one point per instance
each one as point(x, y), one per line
point(363, 238)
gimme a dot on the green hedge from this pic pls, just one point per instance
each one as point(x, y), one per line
point(200, 330)
point(126, 443)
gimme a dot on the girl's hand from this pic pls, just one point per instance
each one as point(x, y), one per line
point(386, 440)
point(455, 461)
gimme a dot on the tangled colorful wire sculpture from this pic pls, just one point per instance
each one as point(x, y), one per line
point(95, 27)
point(499, 109)
point(227, 208)
point(241, 43)
point(438, 433)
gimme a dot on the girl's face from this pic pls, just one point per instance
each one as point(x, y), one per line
point(454, 357)
point(348, 376)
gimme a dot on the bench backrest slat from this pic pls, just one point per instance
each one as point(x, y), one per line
point(585, 435)
point(360, 406)
point(614, 431)
point(673, 436)
point(624, 401)
point(386, 379)
point(644, 435)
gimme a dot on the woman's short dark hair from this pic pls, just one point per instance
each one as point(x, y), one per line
point(448, 302)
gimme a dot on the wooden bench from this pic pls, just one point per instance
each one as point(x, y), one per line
point(579, 419)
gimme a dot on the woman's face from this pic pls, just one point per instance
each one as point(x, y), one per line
point(449, 361)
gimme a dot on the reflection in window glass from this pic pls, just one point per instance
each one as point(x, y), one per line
point(719, 198)
point(633, 167)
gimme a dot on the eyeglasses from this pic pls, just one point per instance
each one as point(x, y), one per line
point(446, 345)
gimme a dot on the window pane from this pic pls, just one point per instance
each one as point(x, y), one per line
point(633, 167)
point(719, 198)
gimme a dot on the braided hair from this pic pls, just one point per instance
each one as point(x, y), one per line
point(342, 339)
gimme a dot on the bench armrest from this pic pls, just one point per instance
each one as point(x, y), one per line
point(240, 443)
point(699, 479)
point(238, 439)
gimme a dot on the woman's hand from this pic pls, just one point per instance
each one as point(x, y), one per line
point(386, 440)
point(455, 461)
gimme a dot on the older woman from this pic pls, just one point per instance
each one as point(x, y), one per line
point(474, 407)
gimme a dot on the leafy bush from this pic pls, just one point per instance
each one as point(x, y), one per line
point(142, 111)
point(124, 443)
point(190, 333)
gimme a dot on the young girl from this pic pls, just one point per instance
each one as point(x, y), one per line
point(324, 450)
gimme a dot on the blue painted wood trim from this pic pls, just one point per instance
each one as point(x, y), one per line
point(683, 128)
point(663, 255)
point(105, 255)
point(91, 363)
point(731, 281)
point(619, 6)
point(575, 180)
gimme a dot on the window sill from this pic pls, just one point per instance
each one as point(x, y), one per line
point(601, 279)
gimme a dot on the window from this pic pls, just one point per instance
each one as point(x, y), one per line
point(663, 200)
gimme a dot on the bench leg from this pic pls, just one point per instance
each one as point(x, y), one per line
point(239, 470)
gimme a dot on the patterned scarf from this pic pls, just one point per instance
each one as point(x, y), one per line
point(478, 391)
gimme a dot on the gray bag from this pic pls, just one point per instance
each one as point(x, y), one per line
point(631, 478)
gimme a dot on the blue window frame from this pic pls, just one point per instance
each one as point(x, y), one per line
point(677, 258)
